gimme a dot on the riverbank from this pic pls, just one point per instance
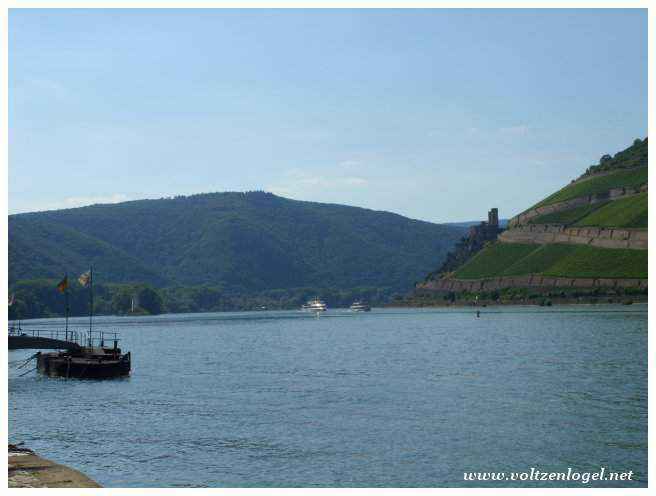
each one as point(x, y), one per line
point(27, 469)
point(445, 301)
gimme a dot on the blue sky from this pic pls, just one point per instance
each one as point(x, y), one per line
point(433, 114)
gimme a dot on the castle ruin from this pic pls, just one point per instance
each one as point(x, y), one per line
point(468, 246)
point(486, 231)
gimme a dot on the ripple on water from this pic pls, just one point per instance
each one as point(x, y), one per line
point(392, 398)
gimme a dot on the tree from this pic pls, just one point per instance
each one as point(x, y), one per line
point(150, 300)
point(121, 302)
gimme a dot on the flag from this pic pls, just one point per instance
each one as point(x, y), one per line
point(11, 299)
point(63, 284)
point(85, 279)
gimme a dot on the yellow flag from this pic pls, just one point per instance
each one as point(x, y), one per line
point(63, 284)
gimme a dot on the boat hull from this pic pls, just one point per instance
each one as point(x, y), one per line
point(84, 366)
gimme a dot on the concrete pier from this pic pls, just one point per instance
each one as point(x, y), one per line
point(27, 469)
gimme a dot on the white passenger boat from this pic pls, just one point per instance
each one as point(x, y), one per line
point(359, 306)
point(315, 305)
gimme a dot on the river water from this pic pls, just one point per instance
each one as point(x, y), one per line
point(391, 398)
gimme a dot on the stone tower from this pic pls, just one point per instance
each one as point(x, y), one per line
point(493, 218)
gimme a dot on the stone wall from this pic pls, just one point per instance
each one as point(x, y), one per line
point(613, 194)
point(528, 281)
point(635, 239)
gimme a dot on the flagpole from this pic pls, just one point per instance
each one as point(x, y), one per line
point(90, 303)
point(66, 310)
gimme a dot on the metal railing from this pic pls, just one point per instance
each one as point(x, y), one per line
point(102, 338)
point(79, 337)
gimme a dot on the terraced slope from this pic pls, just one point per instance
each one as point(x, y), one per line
point(556, 260)
point(596, 185)
point(591, 233)
point(567, 217)
point(628, 212)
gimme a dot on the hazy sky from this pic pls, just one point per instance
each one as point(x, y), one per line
point(433, 114)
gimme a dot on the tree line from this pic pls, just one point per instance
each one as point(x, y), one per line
point(40, 298)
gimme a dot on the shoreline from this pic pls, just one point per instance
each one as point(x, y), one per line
point(414, 304)
point(544, 302)
point(28, 470)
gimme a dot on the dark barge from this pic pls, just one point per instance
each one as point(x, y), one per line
point(80, 355)
point(87, 363)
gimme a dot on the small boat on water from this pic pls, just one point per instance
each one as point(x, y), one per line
point(359, 306)
point(315, 305)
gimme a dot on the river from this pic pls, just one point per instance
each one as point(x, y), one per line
point(390, 398)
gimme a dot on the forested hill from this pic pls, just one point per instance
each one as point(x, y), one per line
point(244, 242)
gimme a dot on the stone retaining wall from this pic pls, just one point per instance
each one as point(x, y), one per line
point(635, 239)
point(613, 194)
point(528, 281)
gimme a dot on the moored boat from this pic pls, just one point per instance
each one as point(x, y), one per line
point(81, 354)
point(86, 363)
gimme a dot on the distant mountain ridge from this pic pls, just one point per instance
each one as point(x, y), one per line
point(242, 241)
point(502, 223)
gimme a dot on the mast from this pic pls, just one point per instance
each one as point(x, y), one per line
point(66, 308)
point(90, 303)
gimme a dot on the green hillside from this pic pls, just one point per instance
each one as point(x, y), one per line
point(243, 242)
point(40, 249)
point(626, 168)
point(493, 260)
point(628, 212)
point(567, 217)
point(513, 259)
point(615, 174)
point(600, 184)
point(634, 156)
